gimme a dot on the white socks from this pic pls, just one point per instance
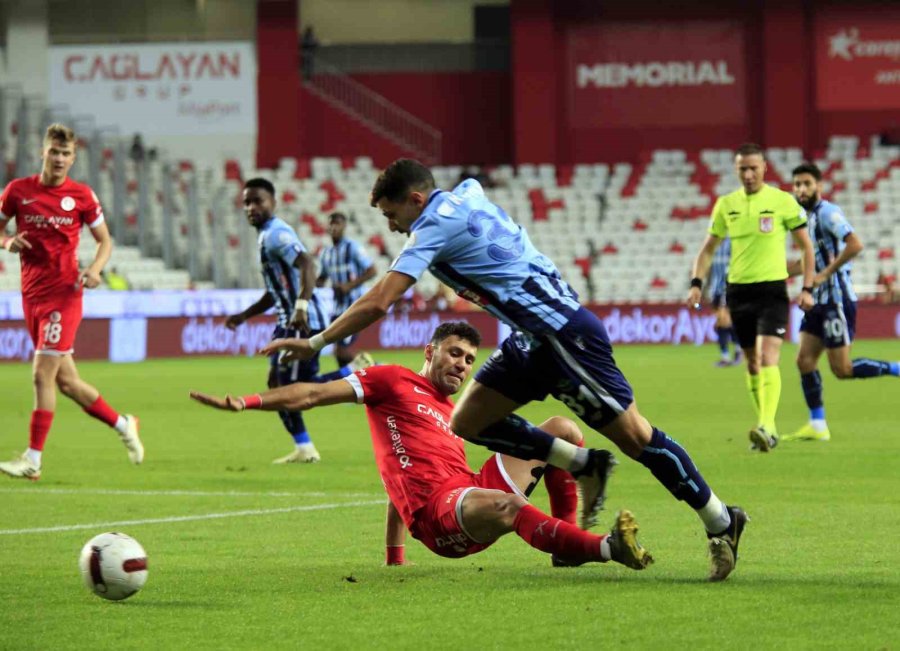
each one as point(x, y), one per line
point(34, 456)
point(715, 515)
point(121, 425)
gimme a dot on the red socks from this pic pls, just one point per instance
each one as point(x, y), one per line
point(102, 411)
point(41, 419)
point(555, 536)
point(563, 491)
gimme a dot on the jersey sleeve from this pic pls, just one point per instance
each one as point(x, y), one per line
point(836, 223)
point(795, 216)
point(717, 225)
point(374, 384)
point(92, 214)
point(285, 245)
point(8, 203)
point(422, 247)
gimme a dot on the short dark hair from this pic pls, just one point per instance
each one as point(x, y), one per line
point(808, 168)
point(261, 183)
point(401, 176)
point(750, 149)
point(337, 216)
point(459, 328)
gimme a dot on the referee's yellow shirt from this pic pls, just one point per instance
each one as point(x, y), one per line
point(757, 225)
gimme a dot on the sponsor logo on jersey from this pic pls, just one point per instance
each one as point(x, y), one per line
point(25, 202)
point(418, 390)
point(439, 420)
point(397, 443)
point(42, 221)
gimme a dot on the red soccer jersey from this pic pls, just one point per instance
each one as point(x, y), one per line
point(51, 218)
point(410, 425)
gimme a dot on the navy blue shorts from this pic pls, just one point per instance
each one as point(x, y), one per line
point(575, 365)
point(290, 372)
point(834, 324)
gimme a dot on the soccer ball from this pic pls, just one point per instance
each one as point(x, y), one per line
point(113, 566)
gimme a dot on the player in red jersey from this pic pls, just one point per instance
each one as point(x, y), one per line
point(50, 209)
point(433, 492)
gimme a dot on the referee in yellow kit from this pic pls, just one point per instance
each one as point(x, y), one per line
point(757, 218)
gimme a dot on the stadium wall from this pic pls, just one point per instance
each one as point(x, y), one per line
point(133, 326)
point(778, 59)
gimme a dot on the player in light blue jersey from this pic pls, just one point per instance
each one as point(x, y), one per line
point(558, 347)
point(289, 275)
point(346, 266)
point(717, 283)
point(830, 325)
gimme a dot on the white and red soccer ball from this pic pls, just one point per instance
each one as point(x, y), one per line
point(113, 566)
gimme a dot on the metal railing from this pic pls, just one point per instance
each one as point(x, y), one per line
point(375, 111)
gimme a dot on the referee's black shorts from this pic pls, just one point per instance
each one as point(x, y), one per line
point(758, 309)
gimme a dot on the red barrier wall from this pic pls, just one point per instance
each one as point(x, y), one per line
point(207, 336)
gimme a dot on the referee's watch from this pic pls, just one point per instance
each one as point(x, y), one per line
point(807, 289)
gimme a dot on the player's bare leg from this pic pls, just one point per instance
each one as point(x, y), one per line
point(485, 416)
point(44, 370)
point(88, 397)
point(488, 514)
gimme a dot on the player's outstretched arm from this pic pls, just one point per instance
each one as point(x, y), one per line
point(366, 310)
point(294, 397)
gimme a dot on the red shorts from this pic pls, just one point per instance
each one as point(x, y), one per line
point(438, 524)
point(53, 323)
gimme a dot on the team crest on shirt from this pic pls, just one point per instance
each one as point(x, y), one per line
point(67, 203)
point(766, 224)
point(55, 317)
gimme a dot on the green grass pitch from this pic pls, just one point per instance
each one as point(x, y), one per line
point(297, 562)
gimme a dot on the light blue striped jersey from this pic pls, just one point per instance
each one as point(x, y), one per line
point(279, 247)
point(473, 246)
point(343, 262)
point(718, 271)
point(828, 227)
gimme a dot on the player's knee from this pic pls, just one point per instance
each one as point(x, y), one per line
point(842, 371)
point(66, 385)
point(563, 428)
point(506, 507)
point(43, 377)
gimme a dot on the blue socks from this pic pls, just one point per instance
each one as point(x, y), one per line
point(516, 437)
point(342, 372)
point(812, 391)
point(673, 468)
point(865, 368)
point(724, 335)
